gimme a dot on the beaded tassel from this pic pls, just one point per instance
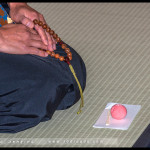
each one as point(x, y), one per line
point(57, 56)
point(81, 93)
point(61, 58)
point(80, 89)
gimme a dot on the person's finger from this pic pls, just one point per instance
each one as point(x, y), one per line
point(35, 51)
point(35, 37)
point(50, 39)
point(54, 43)
point(42, 19)
point(37, 44)
point(50, 42)
point(27, 22)
point(40, 30)
point(32, 31)
point(42, 34)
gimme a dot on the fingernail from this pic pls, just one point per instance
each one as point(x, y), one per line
point(28, 24)
point(50, 48)
point(54, 47)
point(46, 42)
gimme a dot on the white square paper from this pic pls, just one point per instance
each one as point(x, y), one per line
point(122, 124)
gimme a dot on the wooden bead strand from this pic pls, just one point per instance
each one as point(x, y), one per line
point(61, 58)
point(58, 39)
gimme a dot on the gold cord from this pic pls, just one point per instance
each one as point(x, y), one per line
point(81, 93)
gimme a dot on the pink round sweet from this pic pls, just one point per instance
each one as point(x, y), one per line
point(118, 111)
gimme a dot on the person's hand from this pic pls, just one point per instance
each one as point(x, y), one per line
point(22, 13)
point(19, 39)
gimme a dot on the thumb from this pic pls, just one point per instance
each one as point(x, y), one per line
point(27, 22)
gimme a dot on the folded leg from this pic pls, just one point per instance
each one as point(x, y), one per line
point(32, 88)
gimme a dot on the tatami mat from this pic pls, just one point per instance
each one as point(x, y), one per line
point(114, 41)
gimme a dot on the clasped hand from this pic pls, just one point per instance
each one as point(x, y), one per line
point(24, 37)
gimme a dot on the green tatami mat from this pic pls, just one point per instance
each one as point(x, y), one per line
point(114, 41)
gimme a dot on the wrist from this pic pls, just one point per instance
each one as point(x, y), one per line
point(1, 39)
point(13, 5)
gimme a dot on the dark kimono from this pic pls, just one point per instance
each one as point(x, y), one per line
point(32, 88)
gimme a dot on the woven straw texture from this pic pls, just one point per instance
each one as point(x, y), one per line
point(114, 41)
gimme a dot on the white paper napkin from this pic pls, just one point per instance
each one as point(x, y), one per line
point(122, 124)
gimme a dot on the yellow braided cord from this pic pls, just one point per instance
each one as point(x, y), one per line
point(81, 93)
